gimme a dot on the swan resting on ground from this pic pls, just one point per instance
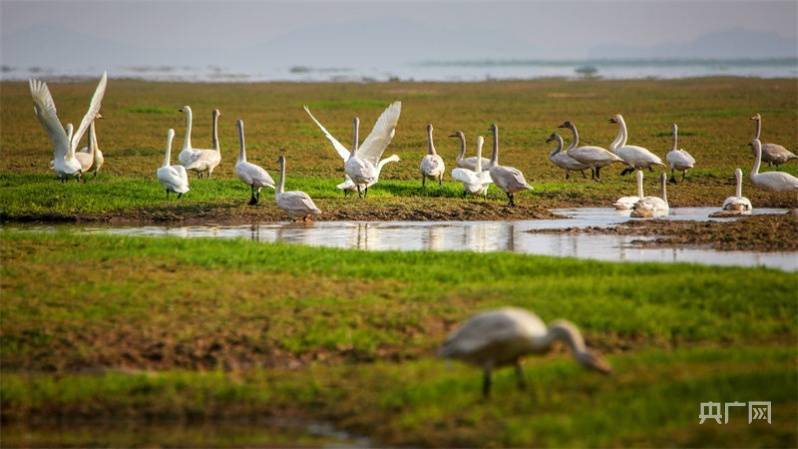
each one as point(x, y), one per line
point(509, 179)
point(296, 203)
point(173, 178)
point(503, 337)
point(432, 165)
point(677, 158)
point(64, 140)
point(737, 204)
point(652, 206)
point(475, 181)
point(636, 157)
point(561, 158)
point(775, 181)
point(250, 174)
point(201, 161)
point(628, 202)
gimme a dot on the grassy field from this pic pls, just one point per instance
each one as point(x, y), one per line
point(121, 328)
point(712, 114)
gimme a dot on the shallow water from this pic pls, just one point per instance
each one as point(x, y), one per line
point(483, 236)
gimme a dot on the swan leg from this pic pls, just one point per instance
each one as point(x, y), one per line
point(684, 174)
point(567, 174)
point(598, 173)
point(179, 195)
point(486, 383)
point(366, 193)
point(519, 375)
point(673, 177)
point(167, 194)
point(253, 200)
point(359, 191)
point(627, 170)
point(423, 181)
point(440, 180)
point(512, 200)
point(593, 173)
point(583, 173)
point(651, 169)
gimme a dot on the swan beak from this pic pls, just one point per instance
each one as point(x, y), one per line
point(549, 139)
point(98, 116)
point(564, 125)
point(180, 110)
point(453, 135)
point(612, 120)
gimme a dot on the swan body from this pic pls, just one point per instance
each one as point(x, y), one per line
point(775, 181)
point(503, 337)
point(772, 154)
point(594, 157)
point(201, 161)
point(297, 204)
point(509, 179)
point(738, 204)
point(432, 165)
point(250, 174)
point(636, 157)
point(173, 178)
point(368, 163)
point(474, 181)
point(64, 140)
point(469, 163)
point(652, 206)
point(677, 158)
point(349, 186)
point(561, 158)
point(628, 202)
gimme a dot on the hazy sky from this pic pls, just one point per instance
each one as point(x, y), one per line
point(564, 29)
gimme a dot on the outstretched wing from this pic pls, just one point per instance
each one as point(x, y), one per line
point(94, 108)
point(382, 133)
point(342, 150)
point(44, 107)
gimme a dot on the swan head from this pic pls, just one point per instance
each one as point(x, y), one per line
point(281, 157)
point(756, 116)
point(98, 116)
point(493, 128)
point(459, 134)
point(552, 137)
point(617, 118)
point(185, 109)
point(217, 113)
point(429, 127)
point(675, 128)
point(567, 125)
point(170, 134)
point(593, 361)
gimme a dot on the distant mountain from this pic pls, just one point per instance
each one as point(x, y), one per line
point(729, 44)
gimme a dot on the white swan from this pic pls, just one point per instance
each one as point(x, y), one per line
point(173, 178)
point(250, 174)
point(469, 163)
point(652, 206)
point(628, 202)
point(636, 157)
point(349, 186)
point(296, 203)
point(474, 181)
point(432, 165)
point(677, 158)
point(87, 156)
point(561, 158)
point(201, 161)
point(503, 337)
point(738, 203)
point(772, 154)
point(372, 148)
point(361, 171)
point(508, 179)
point(775, 181)
point(64, 141)
point(98, 160)
point(593, 156)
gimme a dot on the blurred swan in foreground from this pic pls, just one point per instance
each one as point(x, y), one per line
point(201, 161)
point(652, 206)
point(636, 157)
point(372, 148)
point(296, 203)
point(772, 153)
point(677, 158)
point(509, 179)
point(474, 181)
point(65, 140)
point(173, 178)
point(503, 337)
point(250, 174)
point(432, 165)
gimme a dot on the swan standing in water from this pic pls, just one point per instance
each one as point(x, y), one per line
point(296, 203)
point(677, 158)
point(469, 163)
point(738, 204)
point(173, 178)
point(652, 206)
point(509, 179)
point(593, 156)
point(562, 160)
point(636, 157)
point(201, 161)
point(503, 337)
point(250, 174)
point(372, 148)
point(628, 202)
point(772, 154)
point(432, 165)
point(474, 181)
point(775, 181)
point(64, 141)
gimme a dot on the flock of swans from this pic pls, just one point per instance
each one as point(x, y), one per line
point(364, 162)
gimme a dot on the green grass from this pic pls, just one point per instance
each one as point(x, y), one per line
point(348, 337)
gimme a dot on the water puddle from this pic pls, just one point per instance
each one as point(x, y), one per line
point(484, 236)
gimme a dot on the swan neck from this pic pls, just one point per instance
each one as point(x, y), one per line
point(462, 152)
point(281, 186)
point(480, 142)
point(758, 160)
point(242, 150)
point(558, 148)
point(215, 136)
point(663, 185)
point(92, 140)
point(566, 333)
point(739, 176)
point(167, 158)
point(430, 143)
point(494, 157)
point(356, 136)
point(640, 186)
point(757, 127)
point(620, 138)
point(675, 139)
point(575, 133)
point(187, 138)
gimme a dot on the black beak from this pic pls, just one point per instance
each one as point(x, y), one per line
point(612, 120)
point(453, 135)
